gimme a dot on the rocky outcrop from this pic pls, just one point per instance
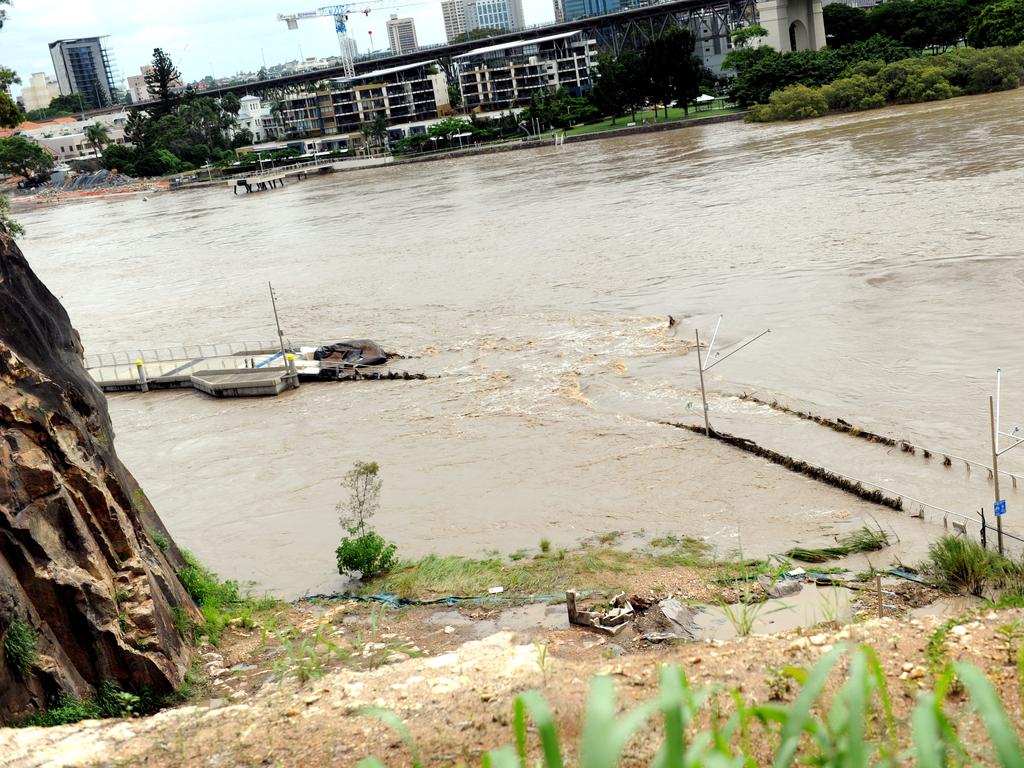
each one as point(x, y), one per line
point(84, 560)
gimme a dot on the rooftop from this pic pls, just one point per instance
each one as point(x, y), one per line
point(516, 44)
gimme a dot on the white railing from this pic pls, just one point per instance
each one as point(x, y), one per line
point(184, 353)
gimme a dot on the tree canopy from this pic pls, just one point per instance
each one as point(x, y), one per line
point(21, 157)
point(1001, 23)
point(160, 81)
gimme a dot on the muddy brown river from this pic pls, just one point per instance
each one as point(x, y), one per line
point(882, 249)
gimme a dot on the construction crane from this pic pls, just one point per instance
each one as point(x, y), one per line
point(340, 14)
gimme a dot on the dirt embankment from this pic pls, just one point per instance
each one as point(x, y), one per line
point(269, 700)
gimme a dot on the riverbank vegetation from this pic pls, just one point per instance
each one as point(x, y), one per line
point(872, 84)
point(960, 564)
point(594, 565)
point(900, 52)
point(179, 131)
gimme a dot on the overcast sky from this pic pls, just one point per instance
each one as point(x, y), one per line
point(219, 37)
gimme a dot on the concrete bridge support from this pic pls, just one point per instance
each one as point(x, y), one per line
point(793, 25)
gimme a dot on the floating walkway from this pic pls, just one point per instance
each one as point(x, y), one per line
point(243, 369)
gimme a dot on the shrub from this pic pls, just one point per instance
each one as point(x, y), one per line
point(363, 550)
point(961, 564)
point(19, 644)
point(849, 94)
point(369, 554)
point(215, 598)
point(65, 710)
point(796, 102)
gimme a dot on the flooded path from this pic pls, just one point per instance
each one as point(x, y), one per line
point(882, 249)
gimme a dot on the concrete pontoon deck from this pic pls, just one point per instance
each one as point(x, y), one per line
point(242, 369)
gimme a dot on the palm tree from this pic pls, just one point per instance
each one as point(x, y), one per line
point(97, 135)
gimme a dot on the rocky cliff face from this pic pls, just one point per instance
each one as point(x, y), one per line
point(84, 560)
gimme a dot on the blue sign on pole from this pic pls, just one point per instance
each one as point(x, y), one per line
point(1000, 507)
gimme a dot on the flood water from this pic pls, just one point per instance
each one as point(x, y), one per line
point(882, 249)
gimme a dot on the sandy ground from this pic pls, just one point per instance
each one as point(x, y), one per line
point(454, 688)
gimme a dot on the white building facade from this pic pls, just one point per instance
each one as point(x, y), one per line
point(40, 91)
point(402, 34)
point(505, 76)
point(67, 141)
point(259, 119)
point(453, 12)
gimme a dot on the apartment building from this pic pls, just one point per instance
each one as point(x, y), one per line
point(401, 34)
point(398, 95)
point(505, 76)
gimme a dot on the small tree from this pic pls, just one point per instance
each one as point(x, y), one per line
point(21, 157)
point(160, 81)
point(98, 136)
point(363, 549)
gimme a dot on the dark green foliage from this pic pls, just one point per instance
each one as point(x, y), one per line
point(65, 710)
point(869, 84)
point(999, 23)
point(559, 109)
point(369, 554)
point(673, 72)
point(159, 83)
point(19, 646)
point(844, 24)
point(21, 157)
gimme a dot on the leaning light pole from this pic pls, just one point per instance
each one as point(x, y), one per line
point(993, 416)
point(704, 364)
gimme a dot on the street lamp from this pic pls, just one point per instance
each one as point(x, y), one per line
point(993, 415)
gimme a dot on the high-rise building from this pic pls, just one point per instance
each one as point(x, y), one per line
point(40, 91)
point(454, 14)
point(402, 34)
point(84, 66)
point(578, 9)
point(494, 14)
point(559, 10)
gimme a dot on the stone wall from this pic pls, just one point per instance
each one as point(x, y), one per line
point(84, 559)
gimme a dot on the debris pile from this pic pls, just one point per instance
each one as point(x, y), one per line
point(103, 179)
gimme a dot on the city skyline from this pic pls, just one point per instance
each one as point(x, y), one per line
point(204, 39)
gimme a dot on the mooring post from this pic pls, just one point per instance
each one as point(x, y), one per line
point(140, 368)
point(703, 394)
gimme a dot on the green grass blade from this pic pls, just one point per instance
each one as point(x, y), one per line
point(519, 725)
point(394, 722)
point(370, 762)
point(800, 714)
point(876, 672)
point(672, 713)
point(992, 713)
point(604, 738)
point(854, 753)
point(500, 758)
point(928, 741)
point(547, 728)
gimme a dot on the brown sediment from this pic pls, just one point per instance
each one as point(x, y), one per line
point(799, 466)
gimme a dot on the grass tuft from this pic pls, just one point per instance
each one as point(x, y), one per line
point(19, 646)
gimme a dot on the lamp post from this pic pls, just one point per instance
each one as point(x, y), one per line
point(993, 416)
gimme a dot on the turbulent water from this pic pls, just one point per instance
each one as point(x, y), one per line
point(882, 249)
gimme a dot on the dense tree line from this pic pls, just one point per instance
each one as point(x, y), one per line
point(178, 131)
point(870, 84)
point(892, 32)
point(665, 70)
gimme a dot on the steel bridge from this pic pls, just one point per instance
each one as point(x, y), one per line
point(614, 32)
